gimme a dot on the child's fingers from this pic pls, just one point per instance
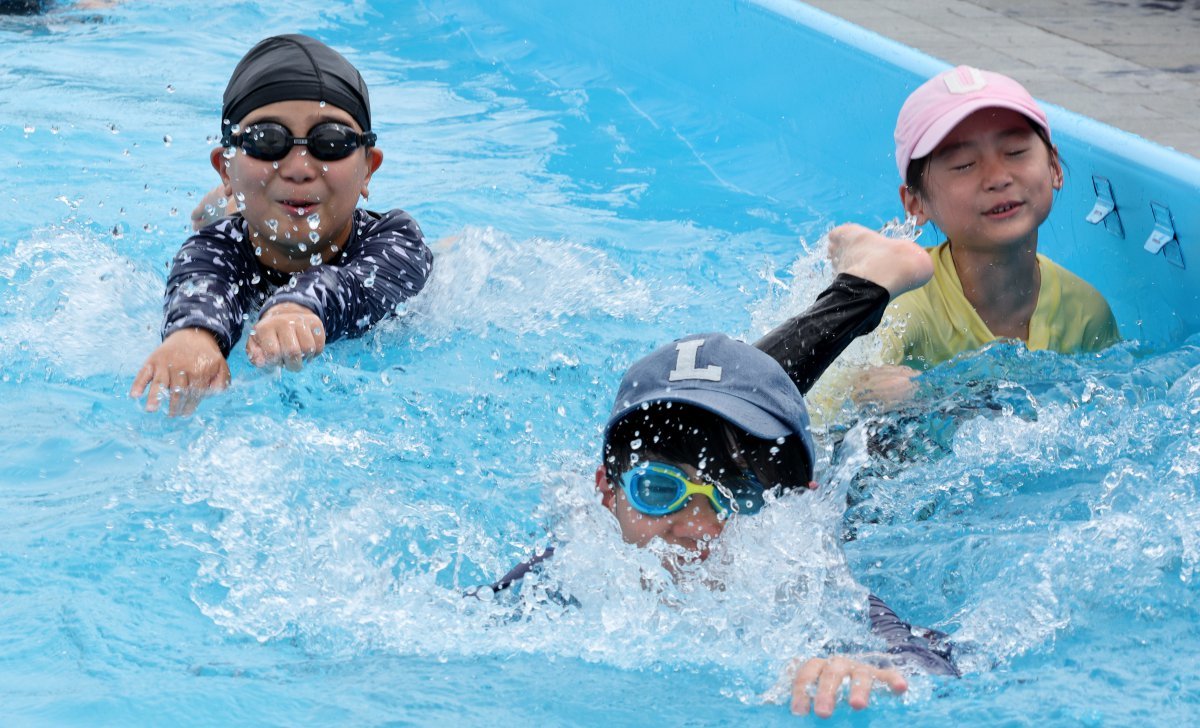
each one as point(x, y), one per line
point(153, 399)
point(318, 332)
point(290, 349)
point(304, 342)
point(862, 680)
point(311, 336)
point(190, 400)
point(158, 388)
point(254, 351)
point(806, 676)
point(144, 375)
point(178, 395)
point(268, 346)
point(828, 687)
point(894, 679)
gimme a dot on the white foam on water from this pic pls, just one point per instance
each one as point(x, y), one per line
point(485, 280)
point(77, 304)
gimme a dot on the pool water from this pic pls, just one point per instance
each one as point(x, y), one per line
point(297, 551)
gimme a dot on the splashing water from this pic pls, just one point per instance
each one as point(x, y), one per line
point(305, 540)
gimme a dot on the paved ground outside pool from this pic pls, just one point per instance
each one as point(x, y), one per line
point(1131, 64)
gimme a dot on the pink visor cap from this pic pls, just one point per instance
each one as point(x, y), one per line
point(938, 105)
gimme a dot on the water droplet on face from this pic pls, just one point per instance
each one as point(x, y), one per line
point(314, 220)
point(324, 167)
point(273, 224)
point(274, 165)
point(229, 153)
point(209, 210)
point(315, 237)
point(315, 259)
point(167, 139)
point(303, 247)
point(222, 203)
point(258, 253)
point(322, 104)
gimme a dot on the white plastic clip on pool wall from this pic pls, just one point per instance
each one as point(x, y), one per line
point(1105, 209)
point(1163, 236)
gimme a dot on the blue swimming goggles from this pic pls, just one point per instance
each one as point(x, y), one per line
point(657, 489)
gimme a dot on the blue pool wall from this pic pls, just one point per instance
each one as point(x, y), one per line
point(786, 90)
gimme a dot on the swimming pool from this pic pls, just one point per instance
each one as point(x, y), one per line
point(296, 552)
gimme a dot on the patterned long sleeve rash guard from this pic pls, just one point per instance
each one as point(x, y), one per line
point(216, 280)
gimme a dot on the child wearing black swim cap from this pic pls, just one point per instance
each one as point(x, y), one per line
point(297, 151)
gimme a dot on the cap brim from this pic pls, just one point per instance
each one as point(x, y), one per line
point(944, 125)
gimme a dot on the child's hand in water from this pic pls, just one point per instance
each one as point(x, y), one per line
point(187, 366)
point(885, 386)
point(824, 677)
point(286, 334)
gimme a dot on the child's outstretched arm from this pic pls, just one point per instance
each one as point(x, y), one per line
point(872, 269)
point(209, 287)
point(185, 367)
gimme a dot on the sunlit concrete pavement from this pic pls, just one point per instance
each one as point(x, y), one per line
point(1134, 64)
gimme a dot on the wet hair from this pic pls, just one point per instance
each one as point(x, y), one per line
point(685, 434)
point(914, 175)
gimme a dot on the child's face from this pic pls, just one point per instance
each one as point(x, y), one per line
point(989, 184)
point(692, 527)
point(286, 201)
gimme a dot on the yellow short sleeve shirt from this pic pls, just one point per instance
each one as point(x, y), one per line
point(933, 323)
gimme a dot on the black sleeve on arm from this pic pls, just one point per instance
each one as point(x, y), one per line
point(386, 263)
point(209, 286)
point(805, 345)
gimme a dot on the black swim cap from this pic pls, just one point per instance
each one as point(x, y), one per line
point(290, 68)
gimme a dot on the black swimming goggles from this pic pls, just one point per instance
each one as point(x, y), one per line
point(271, 142)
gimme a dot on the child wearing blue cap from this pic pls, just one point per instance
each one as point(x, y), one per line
point(704, 426)
point(297, 152)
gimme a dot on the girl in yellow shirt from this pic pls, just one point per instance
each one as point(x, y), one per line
point(974, 151)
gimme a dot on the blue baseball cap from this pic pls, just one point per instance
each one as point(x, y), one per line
point(729, 378)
